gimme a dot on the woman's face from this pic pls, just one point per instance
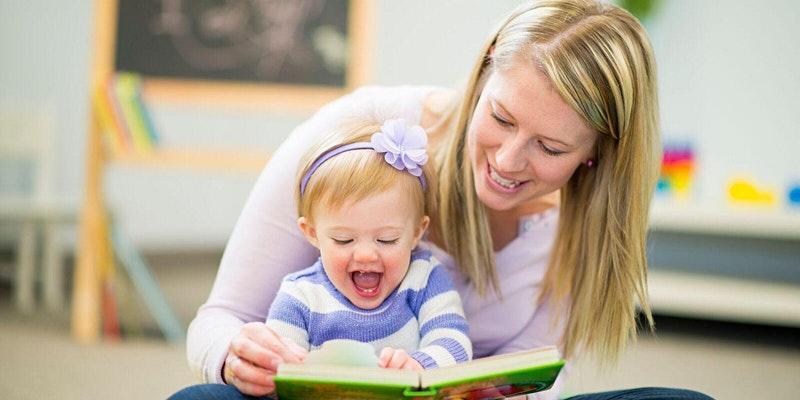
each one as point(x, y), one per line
point(524, 140)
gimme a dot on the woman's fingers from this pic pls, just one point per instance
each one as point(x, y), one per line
point(254, 390)
point(299, 351)
point(251, 351)
point(269, 340)
point(254, 356)
point(247, 377)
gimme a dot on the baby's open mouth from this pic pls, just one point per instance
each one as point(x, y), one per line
point(366, 283)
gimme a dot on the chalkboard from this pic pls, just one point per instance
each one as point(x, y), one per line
point(288, 42)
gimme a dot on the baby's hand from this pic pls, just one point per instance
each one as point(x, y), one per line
point(398, 359)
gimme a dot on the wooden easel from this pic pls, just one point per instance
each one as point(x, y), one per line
point(95, 252)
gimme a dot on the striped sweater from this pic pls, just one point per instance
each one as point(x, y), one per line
point(422, 316)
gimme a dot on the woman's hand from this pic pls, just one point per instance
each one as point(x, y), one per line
point(397, 359)
point(254, 356)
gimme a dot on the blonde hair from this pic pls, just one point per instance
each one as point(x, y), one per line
point(355, 175)
point(598, 58)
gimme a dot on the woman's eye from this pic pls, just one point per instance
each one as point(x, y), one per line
point(550, 151)
point(342, 241)
point(388, 241)
point(500, 120)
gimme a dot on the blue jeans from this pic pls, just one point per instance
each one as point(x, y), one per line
point(226, 392)
point(649, 393)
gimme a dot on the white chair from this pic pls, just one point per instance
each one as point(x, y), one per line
point(28, 208)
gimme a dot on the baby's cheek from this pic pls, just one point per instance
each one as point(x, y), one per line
point(396, 266)
point(335, 264)
point(339, 259)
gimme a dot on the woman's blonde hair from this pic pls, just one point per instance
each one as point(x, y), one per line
point(599, 59)
point(354, 175)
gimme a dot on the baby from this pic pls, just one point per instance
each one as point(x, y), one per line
point(362, 202)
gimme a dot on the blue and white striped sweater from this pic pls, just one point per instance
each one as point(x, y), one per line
point(423, 315)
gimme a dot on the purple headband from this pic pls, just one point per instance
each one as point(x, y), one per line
point(403, 147)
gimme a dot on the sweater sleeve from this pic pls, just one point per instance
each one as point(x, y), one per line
point(265, 244)
point(288, 315)
point(443, 327)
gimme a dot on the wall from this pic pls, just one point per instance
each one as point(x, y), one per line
point(728, 70)
point(729, 74)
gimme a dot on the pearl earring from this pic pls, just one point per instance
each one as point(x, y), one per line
point(590, 163)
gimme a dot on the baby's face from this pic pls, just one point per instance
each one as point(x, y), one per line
point(366, 245)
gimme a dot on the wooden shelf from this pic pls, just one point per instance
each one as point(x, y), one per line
point(25, 210)
point(726, 220)
point(197, 159)
point(723, 298)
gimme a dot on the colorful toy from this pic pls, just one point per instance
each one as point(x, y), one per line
point(677, 170)
point(793, 195)
point(745, 191)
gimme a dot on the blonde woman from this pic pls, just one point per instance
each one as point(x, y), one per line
point(546, 163)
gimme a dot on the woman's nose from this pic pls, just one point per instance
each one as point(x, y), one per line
point(512, 155)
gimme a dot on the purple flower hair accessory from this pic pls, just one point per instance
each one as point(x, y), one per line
point(404, 145)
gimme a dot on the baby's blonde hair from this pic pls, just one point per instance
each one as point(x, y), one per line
point(354, 175)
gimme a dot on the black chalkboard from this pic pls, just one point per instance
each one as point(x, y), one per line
point(296, 42)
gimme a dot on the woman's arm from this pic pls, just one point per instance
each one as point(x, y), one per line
point(264, 246)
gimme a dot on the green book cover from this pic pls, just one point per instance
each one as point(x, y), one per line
point(486, 378)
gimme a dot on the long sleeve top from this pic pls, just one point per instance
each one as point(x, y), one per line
point(250, 272)
point(422, 316)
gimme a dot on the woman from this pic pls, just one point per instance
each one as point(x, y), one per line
point(546, 164)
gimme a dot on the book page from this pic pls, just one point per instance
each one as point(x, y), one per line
point(489, 365)
point(339, 373)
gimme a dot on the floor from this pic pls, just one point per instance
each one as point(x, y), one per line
point(40, 361)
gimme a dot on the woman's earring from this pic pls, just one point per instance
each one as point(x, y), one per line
point(590, 162)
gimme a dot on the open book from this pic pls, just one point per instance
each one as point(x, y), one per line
point(350, 373)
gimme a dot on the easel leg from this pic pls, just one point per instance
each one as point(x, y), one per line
point(86, 292)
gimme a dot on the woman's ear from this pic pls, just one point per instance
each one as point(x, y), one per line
point(308, 231)
point(423, 226)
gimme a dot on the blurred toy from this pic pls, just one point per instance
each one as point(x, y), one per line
point(677, 170)
point(745, 191)
point(793, 195)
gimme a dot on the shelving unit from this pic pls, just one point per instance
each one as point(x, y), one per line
point(721, 298)
point(727, 220)
point(198, 159)
point(708, 296)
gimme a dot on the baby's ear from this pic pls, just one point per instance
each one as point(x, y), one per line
point(308, 231)
point(423, 226)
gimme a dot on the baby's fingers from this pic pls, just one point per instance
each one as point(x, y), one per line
point(385, 357)
point(398, 360)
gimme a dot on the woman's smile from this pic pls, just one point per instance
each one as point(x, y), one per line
point(503, 184)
